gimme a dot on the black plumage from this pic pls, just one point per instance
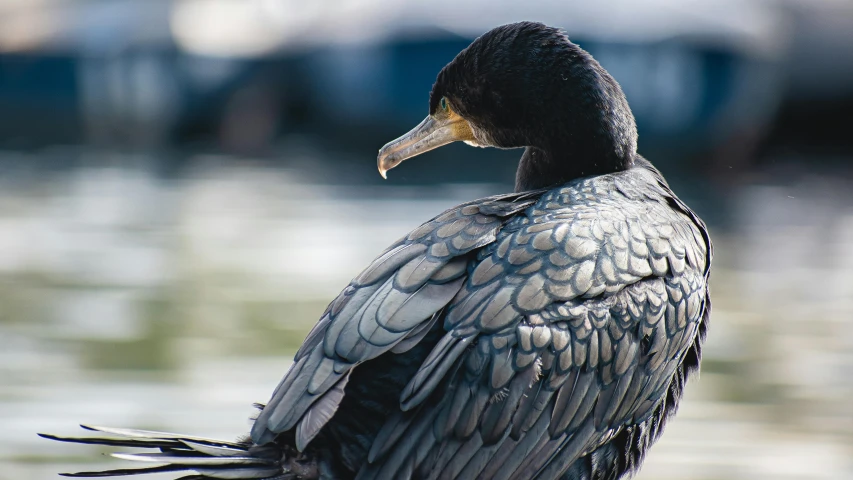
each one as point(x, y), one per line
point(546, 333)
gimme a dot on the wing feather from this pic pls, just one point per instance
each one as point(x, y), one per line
point(390, 306)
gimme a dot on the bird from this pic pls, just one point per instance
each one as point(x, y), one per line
point(546, 333)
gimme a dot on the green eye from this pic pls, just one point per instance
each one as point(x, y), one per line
point(443, 103)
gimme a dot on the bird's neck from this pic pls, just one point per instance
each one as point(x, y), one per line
point(540, 168)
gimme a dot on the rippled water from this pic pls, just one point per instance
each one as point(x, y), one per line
point(128, 300)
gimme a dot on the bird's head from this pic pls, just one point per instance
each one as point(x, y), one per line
point(525, 85)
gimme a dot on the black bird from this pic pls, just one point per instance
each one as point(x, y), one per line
point(546, 333)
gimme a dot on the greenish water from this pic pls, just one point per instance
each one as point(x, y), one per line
point(129, 300)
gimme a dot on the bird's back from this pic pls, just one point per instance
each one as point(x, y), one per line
point(509, 337)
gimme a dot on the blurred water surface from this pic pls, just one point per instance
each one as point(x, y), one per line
point(128, 299)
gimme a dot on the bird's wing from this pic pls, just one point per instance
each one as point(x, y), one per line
point(388, 307)
point(564, 333)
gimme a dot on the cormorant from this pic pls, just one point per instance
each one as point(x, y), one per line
point(546, 333)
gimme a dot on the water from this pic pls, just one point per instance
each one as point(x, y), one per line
point(131, 300)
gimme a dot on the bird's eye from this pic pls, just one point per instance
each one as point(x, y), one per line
point(443, 103)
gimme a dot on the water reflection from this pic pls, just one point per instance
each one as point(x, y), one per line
point(130, 300)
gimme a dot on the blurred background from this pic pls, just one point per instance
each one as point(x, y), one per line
point(185, 184)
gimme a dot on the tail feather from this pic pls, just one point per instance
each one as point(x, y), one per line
point(151, 434)
point(208, 458)
point(205, 461)
point(123, 472)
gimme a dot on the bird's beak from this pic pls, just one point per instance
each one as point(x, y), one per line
point(433, 132)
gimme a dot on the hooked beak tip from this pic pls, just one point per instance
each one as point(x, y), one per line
point(383, 164)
